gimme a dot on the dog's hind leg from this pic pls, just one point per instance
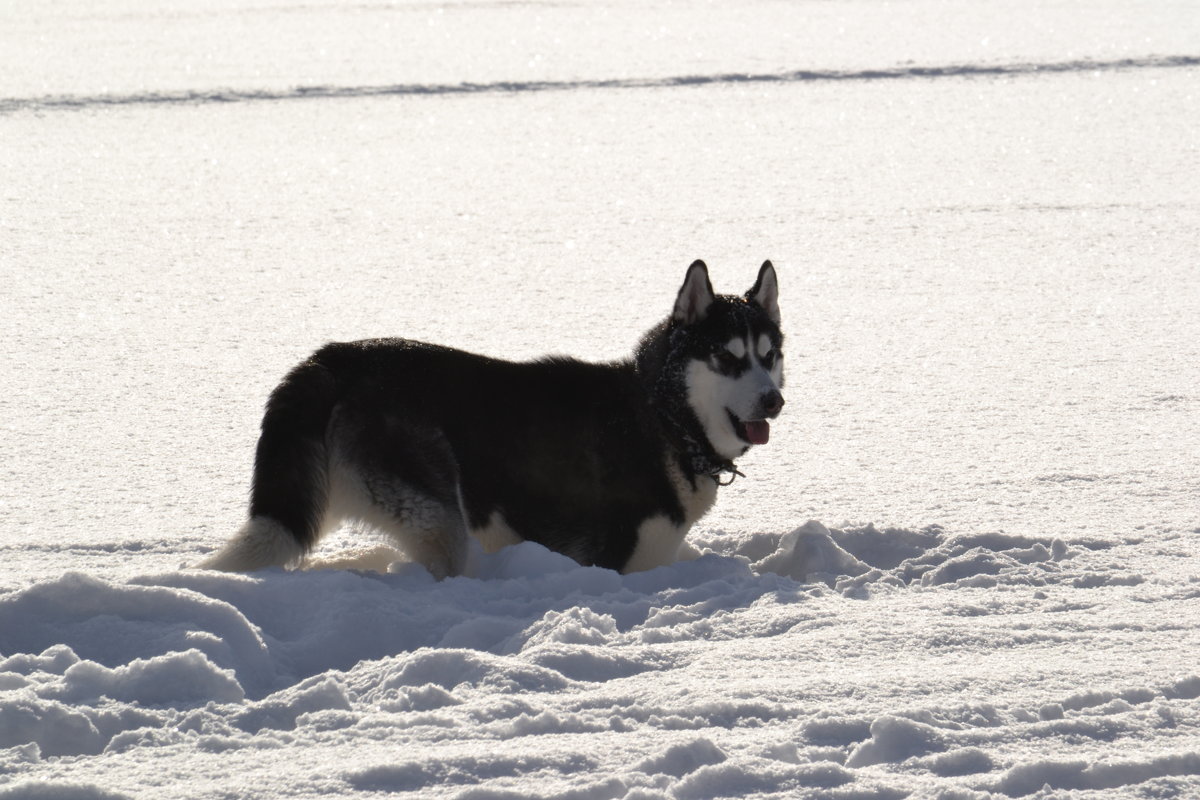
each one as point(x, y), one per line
point(428, 530)
point(438, 540)
point(397, 487)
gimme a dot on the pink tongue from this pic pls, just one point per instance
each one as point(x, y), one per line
point(757, 431)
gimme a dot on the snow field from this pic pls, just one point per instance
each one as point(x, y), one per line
point(983, 217)
point(978, 338)
point(138, 48)
point(546, 660)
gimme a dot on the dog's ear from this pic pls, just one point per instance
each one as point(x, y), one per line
point(765, 291)
point(695, 296)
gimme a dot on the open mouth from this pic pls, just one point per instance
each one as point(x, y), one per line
point(754, 431)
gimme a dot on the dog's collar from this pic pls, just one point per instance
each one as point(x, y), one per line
point(697, 456)
point(679, 424)
point(707, 464)
point(731, 468)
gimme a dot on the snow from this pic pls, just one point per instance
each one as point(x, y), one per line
point(538, 676)
point(964, 566)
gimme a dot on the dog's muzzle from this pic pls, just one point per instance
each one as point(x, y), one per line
point(771, 404)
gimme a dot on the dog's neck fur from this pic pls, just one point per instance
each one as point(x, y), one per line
point(660, 366)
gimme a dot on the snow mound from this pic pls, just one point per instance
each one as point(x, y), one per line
point(895, 739)
point(42, 790)
point(810, 552)
point(683, 759)
point(1025, 779)
point(585, 683)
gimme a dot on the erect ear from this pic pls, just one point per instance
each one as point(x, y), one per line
point(695, 296)
point(765, 291)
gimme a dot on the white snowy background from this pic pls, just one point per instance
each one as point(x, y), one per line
point(965, 566)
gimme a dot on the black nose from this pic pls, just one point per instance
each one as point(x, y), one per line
point(772, 403)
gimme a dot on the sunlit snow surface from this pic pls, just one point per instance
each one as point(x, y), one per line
point(984, 217)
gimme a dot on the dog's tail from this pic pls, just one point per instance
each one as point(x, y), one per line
point(291, 475)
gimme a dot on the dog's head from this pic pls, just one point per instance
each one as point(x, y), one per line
point(728, 350)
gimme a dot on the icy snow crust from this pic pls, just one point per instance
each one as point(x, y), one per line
point(983, 216)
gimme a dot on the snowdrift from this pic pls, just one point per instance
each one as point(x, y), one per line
point(538, 677)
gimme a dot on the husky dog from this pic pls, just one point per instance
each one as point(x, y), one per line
point(609, 464)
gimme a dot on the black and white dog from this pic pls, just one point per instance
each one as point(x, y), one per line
point(609, 464)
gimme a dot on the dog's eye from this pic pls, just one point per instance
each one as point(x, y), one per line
point(726, 360)
point(768, 360)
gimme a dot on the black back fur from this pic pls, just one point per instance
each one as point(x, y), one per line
point(571, 454)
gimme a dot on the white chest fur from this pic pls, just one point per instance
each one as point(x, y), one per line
point(659, 538)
